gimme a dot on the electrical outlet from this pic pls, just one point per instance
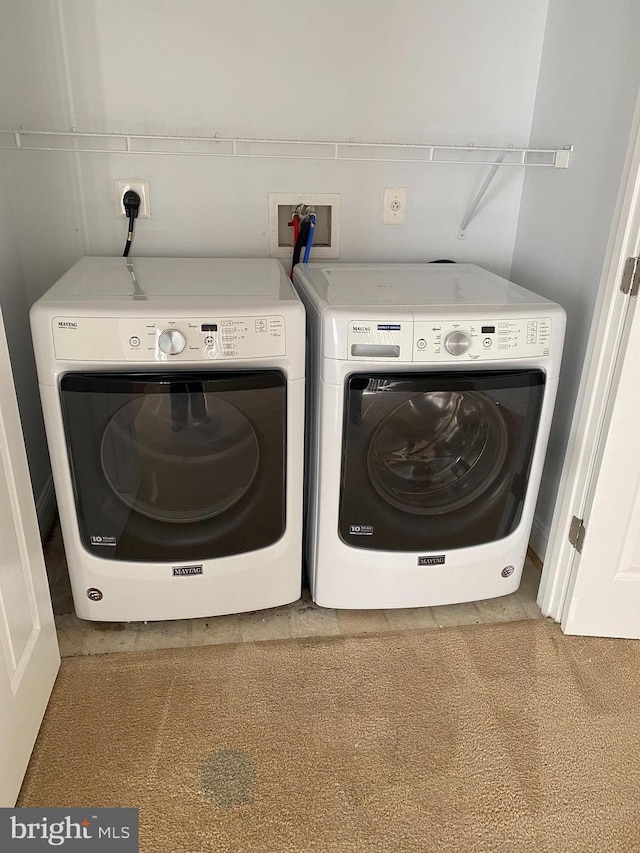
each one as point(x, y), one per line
point(121, 186)
point(394, 206)
point(326, 206)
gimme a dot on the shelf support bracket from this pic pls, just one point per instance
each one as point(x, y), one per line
point(462, 233)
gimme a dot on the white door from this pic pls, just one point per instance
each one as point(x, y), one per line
point(604, 590)
point(594, 588)
point(29, 657)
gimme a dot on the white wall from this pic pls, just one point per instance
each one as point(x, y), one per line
point(444, 71)
point(13, 300)
point(395, 70)
point(589, 82)
point(218, 207)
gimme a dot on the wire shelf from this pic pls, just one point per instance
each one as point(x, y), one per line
point(296, 149)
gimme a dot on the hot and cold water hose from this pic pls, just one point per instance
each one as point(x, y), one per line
point(303, 238)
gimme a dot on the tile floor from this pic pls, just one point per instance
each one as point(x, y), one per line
point(300, 619)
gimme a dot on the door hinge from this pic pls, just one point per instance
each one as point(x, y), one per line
point(577, 532)
point(631, 277)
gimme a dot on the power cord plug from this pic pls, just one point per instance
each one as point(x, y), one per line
point(131, 204)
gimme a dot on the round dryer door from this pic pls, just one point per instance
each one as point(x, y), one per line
point(177, 466)
point(437, 452)
point(171, 473)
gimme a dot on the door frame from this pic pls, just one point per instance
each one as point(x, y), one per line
point(597, 386)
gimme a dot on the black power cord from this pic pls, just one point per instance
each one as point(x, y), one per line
point(131, 204)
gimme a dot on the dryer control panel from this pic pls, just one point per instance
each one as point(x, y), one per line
point(162, 340)
point(439, 340)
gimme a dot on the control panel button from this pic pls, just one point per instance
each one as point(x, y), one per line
point(456, 343)
point(487, 342)
point(421, 343)
point(134, 341)
point(171, 342)
point(208, 341)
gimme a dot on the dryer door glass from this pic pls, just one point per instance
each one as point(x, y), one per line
point(184, 456)
point(437, 461)
point(177, 467)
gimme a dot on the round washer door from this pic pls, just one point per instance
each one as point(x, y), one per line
point(434, 461)
point(438, 451)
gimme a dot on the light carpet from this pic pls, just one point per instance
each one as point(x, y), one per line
point(506, 737)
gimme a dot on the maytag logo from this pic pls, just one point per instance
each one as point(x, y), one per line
point(361, 328)
point(432, 561)
point(67, 324)
point(186, 571)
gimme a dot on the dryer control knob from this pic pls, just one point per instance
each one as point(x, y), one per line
point(456, 343)
point(171, 342)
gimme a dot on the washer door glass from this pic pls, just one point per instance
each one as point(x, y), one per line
point(434, 461)
point(179, 472)
point(438, 451)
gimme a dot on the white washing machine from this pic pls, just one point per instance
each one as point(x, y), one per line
point(431, 392)
point(173, 398)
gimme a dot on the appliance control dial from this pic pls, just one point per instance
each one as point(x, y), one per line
point(171, 342)
point(456, 343)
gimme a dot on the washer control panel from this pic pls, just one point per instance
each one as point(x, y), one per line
point(164, 340)
point(449, 340)
point(487, 340)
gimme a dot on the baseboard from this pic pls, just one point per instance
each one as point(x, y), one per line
point(538, 540)
point(46, 509)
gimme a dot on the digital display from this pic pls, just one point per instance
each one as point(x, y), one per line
point(488, 330)
point(209, 327)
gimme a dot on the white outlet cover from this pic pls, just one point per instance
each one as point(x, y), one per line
point(120, 187)
point(394, 206)
point(332, 200)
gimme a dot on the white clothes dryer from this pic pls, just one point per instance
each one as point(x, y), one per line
point(430, 395)
point(173, 398)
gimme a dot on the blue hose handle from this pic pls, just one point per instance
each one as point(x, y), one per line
point(307, 248)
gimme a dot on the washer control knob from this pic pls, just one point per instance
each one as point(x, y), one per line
point(456, 343)
point(171, 342)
